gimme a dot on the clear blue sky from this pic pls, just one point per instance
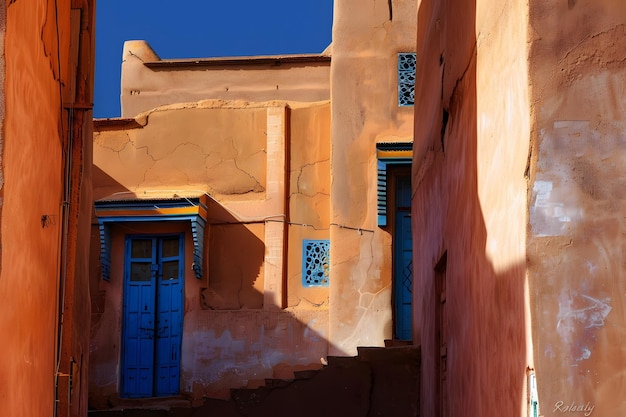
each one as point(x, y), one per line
point(203, 28)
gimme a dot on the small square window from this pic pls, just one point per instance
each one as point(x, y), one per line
point(315, 263)
point(406, 79)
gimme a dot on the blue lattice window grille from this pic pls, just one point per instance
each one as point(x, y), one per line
point(406, 79)
point(315, 263)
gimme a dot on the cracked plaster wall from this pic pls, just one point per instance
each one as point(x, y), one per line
point(145, 87)
point(366, 40)
point(576, 239)
point(219, 150)
point(309, 197)
point(238, 328)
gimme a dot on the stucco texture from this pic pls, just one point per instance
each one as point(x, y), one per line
point(309, 197)
point(469, 207)
point(149, 82)
point(576, 200)
point(46, 67)
point(28, 299)
point(219, 150)
point(366, 43)
point(265, 170)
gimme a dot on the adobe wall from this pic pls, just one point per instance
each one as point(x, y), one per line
point(36, 58)
point(576, 201)
point(149, 82)
point(265, 168)
point(364, 97)
point(469, 207)
point(214, 147)
point(309, 199)
point(29, 281)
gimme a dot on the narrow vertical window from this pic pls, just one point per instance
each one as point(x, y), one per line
point(406, 79)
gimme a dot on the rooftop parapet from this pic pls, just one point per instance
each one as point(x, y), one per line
point(149, 81)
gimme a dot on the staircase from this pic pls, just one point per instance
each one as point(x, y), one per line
point(378, 382)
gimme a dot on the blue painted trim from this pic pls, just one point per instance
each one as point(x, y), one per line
point(382, 185)
point(105, 251)
point(197, 230)
point(382, 193)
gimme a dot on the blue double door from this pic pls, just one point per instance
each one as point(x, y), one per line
point(153, 316)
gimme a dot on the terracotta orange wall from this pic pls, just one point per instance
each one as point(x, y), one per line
point(364, 99)
point(469, 206)
point(209, 146)
point(309, 197)
point(33, 164)
point(576, 203)
point(148, 83)
point(238, 329)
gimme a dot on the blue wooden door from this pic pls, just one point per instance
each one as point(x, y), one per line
point(153, 319)
point(403, 259)
point(169, 322)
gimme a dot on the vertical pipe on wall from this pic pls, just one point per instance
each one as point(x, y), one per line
point(66, 158)
point(63, 255)
point(71, 176)
point(287, 215)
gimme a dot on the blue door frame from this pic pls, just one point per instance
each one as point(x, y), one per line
point(403, 259)
point(153, 315)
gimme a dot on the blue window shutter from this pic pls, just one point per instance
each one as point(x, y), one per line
point(105, 250)
point(382, 193)
point(389, 153)
point(197, 233)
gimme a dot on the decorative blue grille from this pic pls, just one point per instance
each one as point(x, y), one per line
point(406, 79)
point(315, 263)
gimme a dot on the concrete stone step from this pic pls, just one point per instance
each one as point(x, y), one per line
point(277, 383)
point(249, 397)
point(379, 382)
point(306, 374)
point(396, 342)
point(341, 389)
point(395, 379)
point(390, 355)
point(344, 361)
point(147, 407)
point(177, 412)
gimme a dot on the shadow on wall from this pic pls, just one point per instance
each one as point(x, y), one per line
point(470, 316)
point(235, 261)
point(230, 338)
